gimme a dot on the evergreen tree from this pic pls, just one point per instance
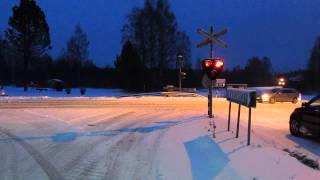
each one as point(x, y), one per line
point(129, 69)
point(314, 66)
point(2, 48)
point(166, 34)
point(3, 63)
point(259, 72)
point(153, 30)
point(28, 33)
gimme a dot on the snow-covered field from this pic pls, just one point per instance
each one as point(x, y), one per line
point(147, 138)
point(15, 92)
point(75, 92)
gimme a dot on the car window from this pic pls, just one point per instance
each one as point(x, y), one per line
point(293, 91)
point(287, 91)
point(275, 90)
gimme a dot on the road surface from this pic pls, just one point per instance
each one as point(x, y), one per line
point(136, 138)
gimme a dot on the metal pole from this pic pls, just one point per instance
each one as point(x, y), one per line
point(210, 101)
point(210, 87)
point(211, 44)
point(238, 122)
point(180, 76)
point(229, 116)
point(249, 127)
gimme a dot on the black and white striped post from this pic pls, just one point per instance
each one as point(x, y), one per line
point(210, 113)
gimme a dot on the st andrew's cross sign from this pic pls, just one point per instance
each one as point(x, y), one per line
point(212, 38)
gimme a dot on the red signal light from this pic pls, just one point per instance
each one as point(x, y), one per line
point(212, 67)
point(218, 64)
point(207, 63)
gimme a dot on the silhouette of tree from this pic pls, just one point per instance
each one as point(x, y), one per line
point(153, 30)
point(184, 47)
point(314, 66)
point(28, 33)
point(78, 45)
point(4, 67)
point(129, 69)
point(257, 72)
point(78, 51)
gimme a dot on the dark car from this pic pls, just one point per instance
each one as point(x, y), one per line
point(306, 119)
point(56, 84)
point(279, 95)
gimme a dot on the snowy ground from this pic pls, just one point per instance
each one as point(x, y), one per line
point(16, 92)
point(220, 92)
point(146, 138)
point(75, 92)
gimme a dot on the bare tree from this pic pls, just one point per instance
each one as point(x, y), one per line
point(78, 50)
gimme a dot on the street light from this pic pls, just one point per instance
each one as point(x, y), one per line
point(180, 64)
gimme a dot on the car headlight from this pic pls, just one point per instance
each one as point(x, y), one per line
point(265, 97)
point(299, 98)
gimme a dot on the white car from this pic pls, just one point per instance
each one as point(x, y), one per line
point(3, 92)
point(279, 95)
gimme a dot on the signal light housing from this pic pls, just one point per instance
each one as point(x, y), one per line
point(212, 67)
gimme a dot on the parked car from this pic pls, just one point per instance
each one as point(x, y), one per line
point(56, 84)
point(3, 92)
point(279, 95)
point(306, 119)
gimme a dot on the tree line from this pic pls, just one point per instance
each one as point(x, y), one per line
point(151, 40)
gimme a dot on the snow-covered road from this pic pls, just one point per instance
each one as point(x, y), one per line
point(145, 138)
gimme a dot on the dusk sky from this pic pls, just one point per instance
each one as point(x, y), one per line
point(283, 30)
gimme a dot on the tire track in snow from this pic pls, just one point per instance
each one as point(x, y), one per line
point(144, 153)
point(9, 159)
point(123, 146)
point(83, 155)
point(46, 166)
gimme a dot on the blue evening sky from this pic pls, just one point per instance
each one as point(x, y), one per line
point(283, 30)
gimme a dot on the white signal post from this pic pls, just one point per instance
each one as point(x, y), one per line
point(211, 39)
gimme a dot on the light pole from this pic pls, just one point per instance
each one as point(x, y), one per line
point(180, 64)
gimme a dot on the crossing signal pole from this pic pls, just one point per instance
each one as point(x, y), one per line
point(211, 39)
point(210, 103)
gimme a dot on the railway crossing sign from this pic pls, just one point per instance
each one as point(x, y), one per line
point(212, 38)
